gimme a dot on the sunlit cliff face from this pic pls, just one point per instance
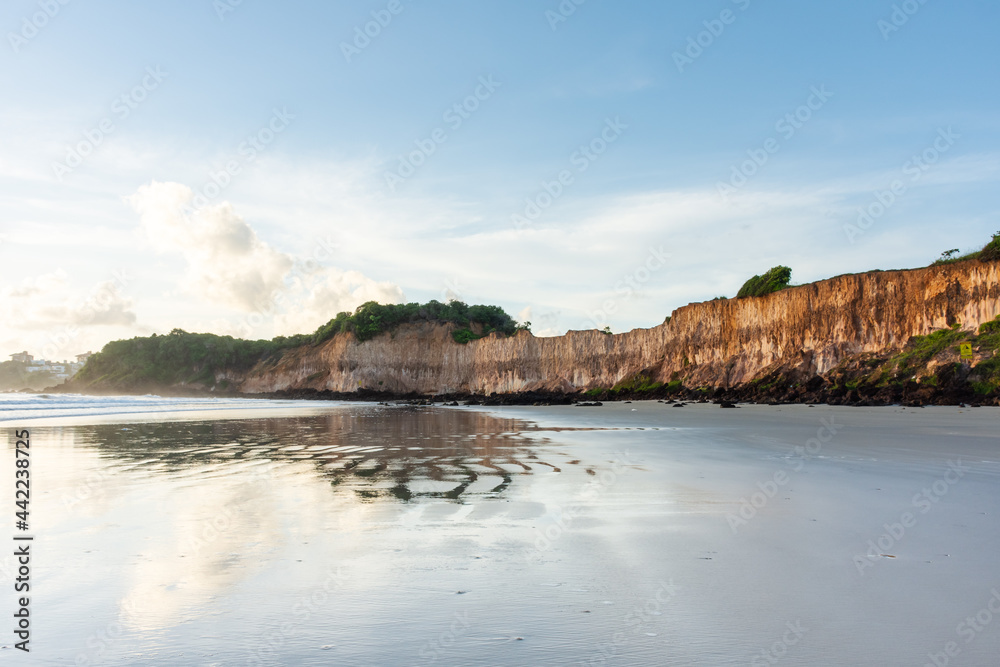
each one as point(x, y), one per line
point(805, 330)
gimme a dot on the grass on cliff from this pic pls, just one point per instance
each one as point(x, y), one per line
point(942, 348)
point(186, 358)
point(985, 377)
point(922, 349)
point(636, 384)
point(988, 253)
point(639, 383)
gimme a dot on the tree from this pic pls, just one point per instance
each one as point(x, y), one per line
point(774, 280)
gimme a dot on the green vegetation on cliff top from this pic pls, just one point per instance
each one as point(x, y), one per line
point(186, 358)
point(774, 280)
point(988, 253)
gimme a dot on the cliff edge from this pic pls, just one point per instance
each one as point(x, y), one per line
point(795, 334)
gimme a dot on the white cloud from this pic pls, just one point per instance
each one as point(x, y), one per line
point(52, 318)
point(230, 266)
point(333, 292)
point(227, 263)
point(104, 306)
point(49, 301)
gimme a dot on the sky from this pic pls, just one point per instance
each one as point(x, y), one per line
point(252, 168)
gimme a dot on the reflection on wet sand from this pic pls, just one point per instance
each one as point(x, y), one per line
point(214, 498)
point(400, 453)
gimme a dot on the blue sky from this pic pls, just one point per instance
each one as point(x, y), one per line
point(670, 98)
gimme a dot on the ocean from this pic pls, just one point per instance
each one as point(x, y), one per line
point(174, 531)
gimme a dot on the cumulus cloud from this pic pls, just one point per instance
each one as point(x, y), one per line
point(49, 300)
point(53, 318)
point(332, 292)
point(229, 265)
point(105, 306)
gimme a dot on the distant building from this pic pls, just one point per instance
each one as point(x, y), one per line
point(61, 370)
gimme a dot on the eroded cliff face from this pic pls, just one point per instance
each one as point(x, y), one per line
point(801, 331)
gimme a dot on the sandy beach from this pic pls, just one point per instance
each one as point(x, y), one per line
point(632, 534)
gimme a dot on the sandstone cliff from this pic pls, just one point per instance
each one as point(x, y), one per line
point(801, 332)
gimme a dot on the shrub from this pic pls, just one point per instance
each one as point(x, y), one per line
point(463, 336)
point(991, 327)
point(773, 281)
point(991, 251)
point(372, 318)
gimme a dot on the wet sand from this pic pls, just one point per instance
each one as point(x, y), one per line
point(632, 534)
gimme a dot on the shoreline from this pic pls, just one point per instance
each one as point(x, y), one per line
point(815, 392)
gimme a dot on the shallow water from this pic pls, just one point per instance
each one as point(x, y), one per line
point(291, 533)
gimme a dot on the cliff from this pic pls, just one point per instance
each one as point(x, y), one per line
point(797, 333)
